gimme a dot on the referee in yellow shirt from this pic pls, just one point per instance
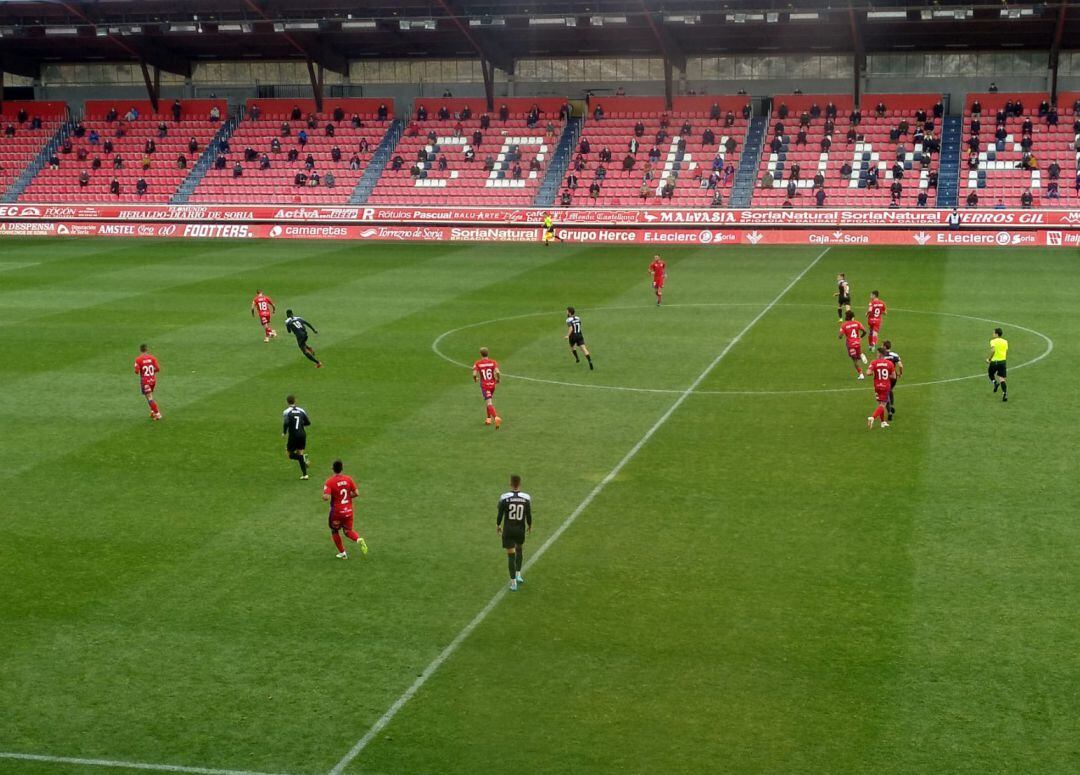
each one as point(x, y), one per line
point(999, 348)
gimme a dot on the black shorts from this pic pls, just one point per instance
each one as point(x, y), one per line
point(296, 443)
point(843, 301)
point(997, 368)
point(512, 538)
point(301, 341)
point(577, 340)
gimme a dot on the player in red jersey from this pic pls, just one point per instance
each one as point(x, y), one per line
point(147, 367)
point(883, 370)
point(340, 490)
point(264, 305)
point(659, 273)
point(852, 330)
point(486, 372)
point(875, 312)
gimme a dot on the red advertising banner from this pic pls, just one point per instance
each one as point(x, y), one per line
point(508, 216)
point(571, 234)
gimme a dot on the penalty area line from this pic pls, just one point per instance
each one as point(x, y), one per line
point(121, 765)
point(479, 618)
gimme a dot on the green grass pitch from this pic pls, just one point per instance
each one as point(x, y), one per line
point(765, 587)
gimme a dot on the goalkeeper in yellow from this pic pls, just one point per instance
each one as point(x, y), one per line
point(549, 230)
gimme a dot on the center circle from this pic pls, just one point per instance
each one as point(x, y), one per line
point(436, 347)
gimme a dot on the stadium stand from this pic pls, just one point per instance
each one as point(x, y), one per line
point(885, 154)
point(447, 156)
point(127, 133)
point(684, 157)
point(1019, 151)
point(267, 171)
point(26, 126)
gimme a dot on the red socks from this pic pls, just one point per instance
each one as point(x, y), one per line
point(337, 542)
point(879, 413)
point(267, 330)
point(153, 407)
point(353, 536)
point(491, 411)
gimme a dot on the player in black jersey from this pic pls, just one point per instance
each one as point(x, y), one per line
point(294, 423)
point(843, 296)
point(890, 407)
point(575, 337)
point(513, 522)
point(298, 327)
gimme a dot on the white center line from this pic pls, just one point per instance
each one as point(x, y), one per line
point(29, 757)
point(475, 622)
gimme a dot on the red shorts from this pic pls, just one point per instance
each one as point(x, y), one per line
point(265, 320)
point(487, 390)
point(874, 325)
point(854, 351)
point(340, 521)
point(658, 284)
point(148, 386)
point(882, 393)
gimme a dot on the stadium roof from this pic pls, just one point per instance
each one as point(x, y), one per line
point(171, 34)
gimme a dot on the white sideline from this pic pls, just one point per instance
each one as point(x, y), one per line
point(29, 757)
point(448, 651)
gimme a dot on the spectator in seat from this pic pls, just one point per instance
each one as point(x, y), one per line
point(819, 197)
point(516, 172)
point(645, 191)
point(787, 204)
point(632, 146)
point(1027, 127)
point(819, 180)
point(295, 114)
point(117, 162)
point(976, 109)
point(717, 161)
point(415, 171)
point(782, 111)
point(830, 110)
point(485, 121)
point(800, 138)
point(628, 163)
point(470, 154)
point(354, 162)
point(661, 136)
point(921, 199)
point(193, 146)
point(329, 129)
point(219, 162)
point(35, 122)
point(264, 162)
point(879, 110)
point(796, 171)
point(504, 113)
point(314, 180)
point(973, 161)
point(443, 164)
point(330, 181)
point(459, 131)
point(792, 189)
point(132, 114)
point(804, 119)
point(335, 153)
point(339, 114)
point(1076, 189)
point(776, 144)
point(93, 138)
point(95, 163)
point(140, 186)
point(714, 112)
point(1018, 108)
point(1026, 199)
point(215, 114)
point(300, 179)
point(584, 147)
point(685, 129)
point(654, 154)
point(767, 180)
point(22, 115)
point(275, 146)
point(181, 162)
point(594, 190)
point(145, 163)
point(1076, 143)
point(162, 129)
point(668, 191)
point(852, 135)
point(309, 162)
point(973, 144)
point(114, 187)
point(1001, 116)
point(255, 112)
point(444, 113)
point(150, 147)
point(1026, 142)
point(1054, 170)
point(708, 137)
point(237, 169)
point(82, 153)
point(286, 129)
point(1000, 133)
point(826, 144)
point(1052, 117)
point(1052, 190)
point(639, 129)
point(778, 129)
point(79, 130)
point(565, 199)
point(383, 111)
point(601, 172)
point(830, 126)
point(872, 177)
point(898, 171)
point(598, 113)
point(727, 174)
point(746, 111)
point(972, 199)
point(66, 146)
point(84, 179)
point(432, 137)
point(302, 138)
point(605, 154)
point(364, 145)
point(571, 181)
point(856, 117)
point(107, 146)
point(250, 154)
point(932, 179)
point(895, 190)
point(293, 154)
point(111, 115)
point(477, 138)
point(845, 170)
point(730, 145)
point(489, 162)
point(534, 164)
point(421, 113)
point(177, 109)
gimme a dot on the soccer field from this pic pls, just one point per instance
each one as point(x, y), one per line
point(749, 580)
